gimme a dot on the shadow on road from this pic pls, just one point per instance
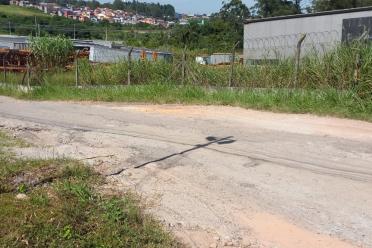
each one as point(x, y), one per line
point(211, 140)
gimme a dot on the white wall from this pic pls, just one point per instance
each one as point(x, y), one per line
point(7, 41)
point(278, 38)
point(103, 54)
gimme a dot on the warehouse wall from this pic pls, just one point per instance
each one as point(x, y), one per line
point(278, 38)
point(103, 54)
point(8, 41)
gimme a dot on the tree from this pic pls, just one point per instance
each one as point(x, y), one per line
point(93, 4)
point(118, 4)
point(325, 5)
point(269, 8)
point(297, 5)
point(234, 11)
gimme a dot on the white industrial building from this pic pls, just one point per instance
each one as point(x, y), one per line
point(277, 37)
point(100, 51)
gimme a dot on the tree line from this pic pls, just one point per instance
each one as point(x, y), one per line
point(270, 8)
point(218, 33)
point(225, 28)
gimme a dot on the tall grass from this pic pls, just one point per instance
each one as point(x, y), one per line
point(51, 52)
point(347, 67)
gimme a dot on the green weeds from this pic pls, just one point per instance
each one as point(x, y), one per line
point(63, 209)
point(328, 101)
point(7, 141)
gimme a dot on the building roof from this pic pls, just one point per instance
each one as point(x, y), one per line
point(332, 12)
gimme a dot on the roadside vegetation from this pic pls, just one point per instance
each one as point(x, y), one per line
point(57, 203)
point(337, 83)
point(329, 84)
point(325, 102)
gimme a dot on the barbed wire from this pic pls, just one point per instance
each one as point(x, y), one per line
point(283, 46)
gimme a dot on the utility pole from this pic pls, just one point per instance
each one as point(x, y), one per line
point(35, 27)
point(74, 32)
point(136, 4)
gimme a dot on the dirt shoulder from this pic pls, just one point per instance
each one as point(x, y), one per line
point(218, 176)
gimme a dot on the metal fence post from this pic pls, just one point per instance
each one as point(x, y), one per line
point(298, 58)
point(183, 65)
point(231, 78)
point(77, 69)
point(129, 64)
point(4, 68)
point(28, 75)
point(358, 59)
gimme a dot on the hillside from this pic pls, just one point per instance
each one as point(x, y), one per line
point(15, 11)
point(21, 21)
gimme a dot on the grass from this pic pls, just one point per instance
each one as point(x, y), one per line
point(11, 10)
point(327, 101)
point(63, 208)
point(7, 141)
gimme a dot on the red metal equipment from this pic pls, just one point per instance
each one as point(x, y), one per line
point(14, 60)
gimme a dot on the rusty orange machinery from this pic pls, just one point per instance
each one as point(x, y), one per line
point(14, 59)
point(154, 55)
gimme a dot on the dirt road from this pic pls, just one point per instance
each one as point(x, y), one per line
point(219, 176)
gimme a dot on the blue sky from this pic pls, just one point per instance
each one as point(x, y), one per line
point(196, 6)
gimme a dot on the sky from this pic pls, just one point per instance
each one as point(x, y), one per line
point(196, 6)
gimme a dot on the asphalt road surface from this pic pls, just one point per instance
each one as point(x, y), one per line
point(218, 176)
